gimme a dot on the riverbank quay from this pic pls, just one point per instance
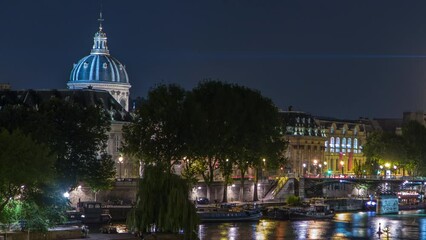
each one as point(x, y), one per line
point(76, 234)
point(102, 236)
point(58, 233)
point(128, 236)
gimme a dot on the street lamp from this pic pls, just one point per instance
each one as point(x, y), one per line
point(341, 164)
point(120, 161)
point(304, 168)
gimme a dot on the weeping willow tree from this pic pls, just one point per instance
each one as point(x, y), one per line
point(163, 205)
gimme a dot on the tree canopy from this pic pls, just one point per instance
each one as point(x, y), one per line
point(24, 165)
point(156, 134)
point(163, 205)
point(74, 132)
point(406, 151)
point(214, 127)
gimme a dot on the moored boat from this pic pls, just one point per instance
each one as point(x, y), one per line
point(215, 214)
point(316, 210)
point(89, 212)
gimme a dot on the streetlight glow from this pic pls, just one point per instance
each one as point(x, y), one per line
point(120, 161)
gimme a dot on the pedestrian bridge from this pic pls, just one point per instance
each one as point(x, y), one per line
point(314, 186)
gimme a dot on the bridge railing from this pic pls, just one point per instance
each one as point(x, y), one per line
point(374, 177)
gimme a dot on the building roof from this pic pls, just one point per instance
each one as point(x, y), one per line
point(84, 97)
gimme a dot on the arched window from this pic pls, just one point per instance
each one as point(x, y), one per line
point(343, 142)
point(337, 145)
point(332, 144)
point(332, 129)
point(355, 145)
point(326, 146)
point(349, 145)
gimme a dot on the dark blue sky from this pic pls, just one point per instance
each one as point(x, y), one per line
point(343, 59)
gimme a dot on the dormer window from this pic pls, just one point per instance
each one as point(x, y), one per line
point(86, 64)
point(105, 65)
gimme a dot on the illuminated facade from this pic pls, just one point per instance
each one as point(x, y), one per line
point(101, 71)
point(324, 146)
point(343, 145)
point(305, 143)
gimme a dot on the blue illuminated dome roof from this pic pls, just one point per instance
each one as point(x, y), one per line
point(99, 66)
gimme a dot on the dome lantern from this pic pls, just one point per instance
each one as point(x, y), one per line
point(100, 40)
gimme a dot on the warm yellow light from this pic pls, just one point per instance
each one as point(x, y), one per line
point(120, 159)
point(264, 160)
point(342, 163)
point(387, 165)
point(325, 163)
point(315, 162)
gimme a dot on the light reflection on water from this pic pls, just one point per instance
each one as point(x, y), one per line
point(362, 225)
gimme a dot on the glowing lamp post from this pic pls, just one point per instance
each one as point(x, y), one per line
point(304, 168)
point(120, 162)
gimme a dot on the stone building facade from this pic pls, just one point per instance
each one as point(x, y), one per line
point(321, 146)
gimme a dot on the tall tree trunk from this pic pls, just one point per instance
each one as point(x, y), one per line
point(256, 179)
point(225, 191)
point(242, 187)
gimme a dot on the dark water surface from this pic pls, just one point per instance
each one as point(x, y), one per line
point(359, 225)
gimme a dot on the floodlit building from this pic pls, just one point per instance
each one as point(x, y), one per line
point(101, 71)
point(324, 146)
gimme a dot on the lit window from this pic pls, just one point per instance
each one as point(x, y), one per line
point(343, 142)
point(349, 143)
point(355, 144)
point(332, 142)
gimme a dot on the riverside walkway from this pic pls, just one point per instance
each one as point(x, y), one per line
point(102, 236)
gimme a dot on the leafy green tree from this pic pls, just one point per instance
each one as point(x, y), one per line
point(232, 126)
point(383, 147)
point(414, 136)
point(163, 204)
point(25, 166)
point(156, 134)
point(75, 132)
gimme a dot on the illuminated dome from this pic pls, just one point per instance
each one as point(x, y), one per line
point(100, 70)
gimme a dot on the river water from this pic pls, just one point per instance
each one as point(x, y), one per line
point(359, 225)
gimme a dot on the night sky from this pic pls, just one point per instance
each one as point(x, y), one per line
point(344, 59)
